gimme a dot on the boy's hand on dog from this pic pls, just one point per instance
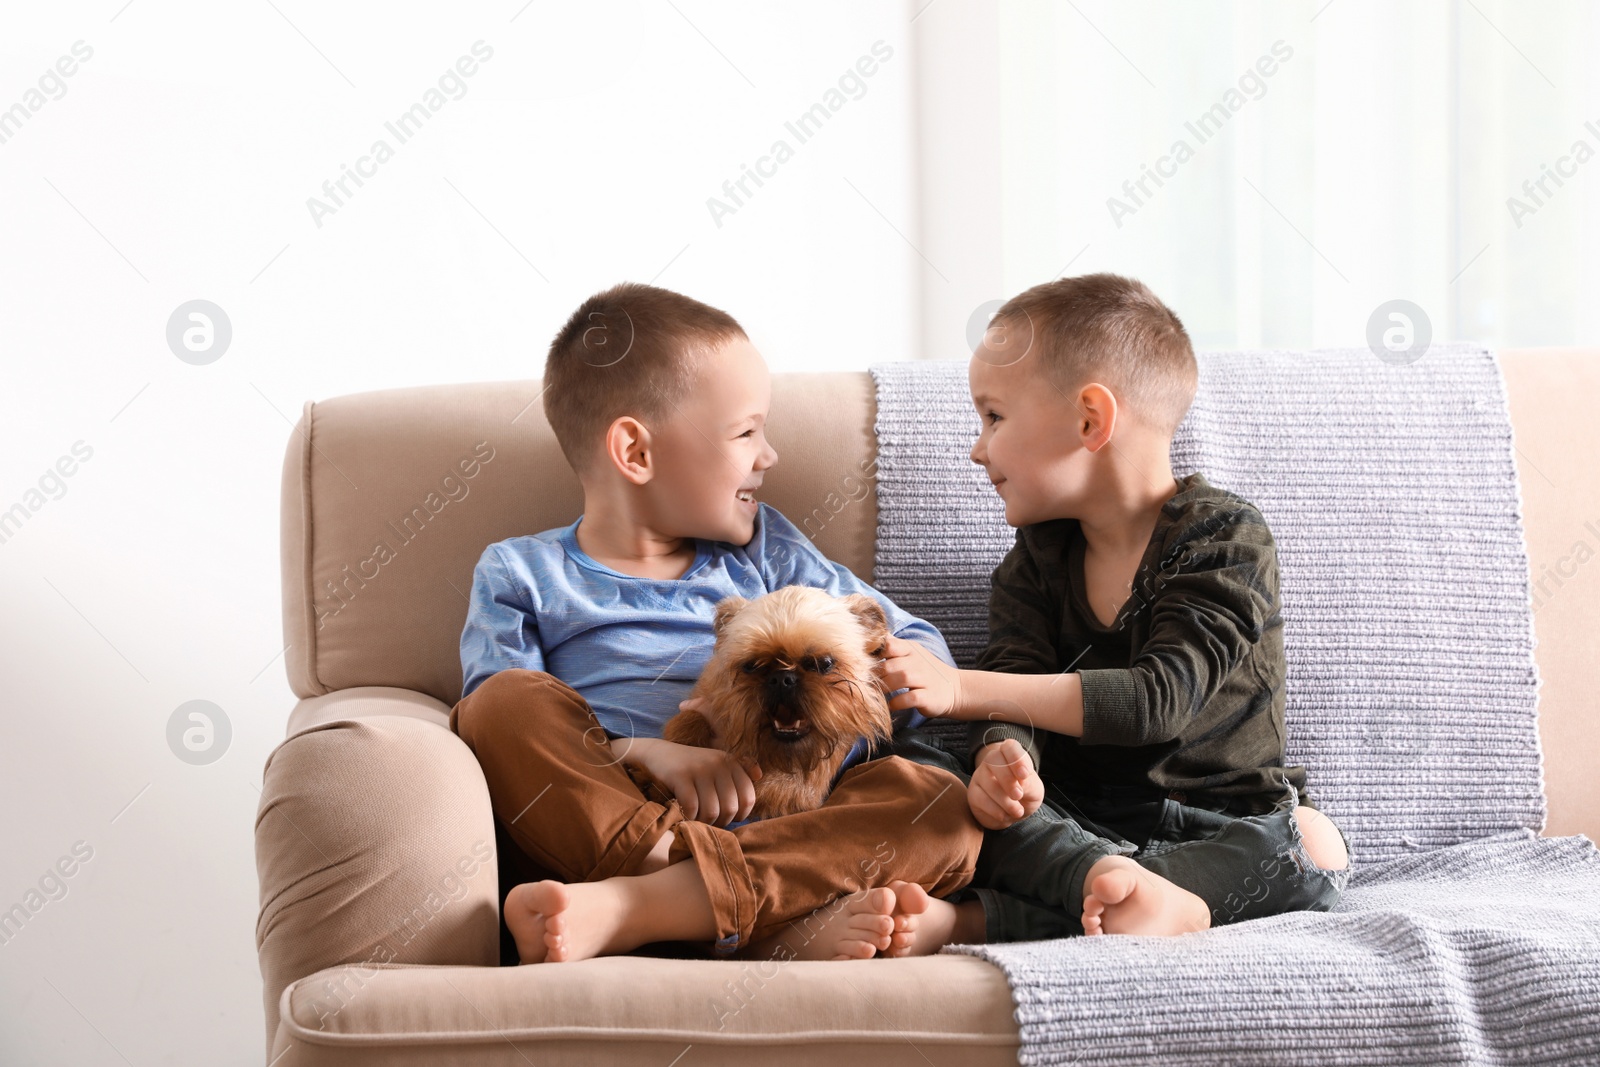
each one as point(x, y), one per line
point(1005, 787)
point(709, 784)
point(934, 686)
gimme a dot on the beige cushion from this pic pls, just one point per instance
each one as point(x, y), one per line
point(622, 1010)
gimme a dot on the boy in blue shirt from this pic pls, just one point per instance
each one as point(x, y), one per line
point(581, 641)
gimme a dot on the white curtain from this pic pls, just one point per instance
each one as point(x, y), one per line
point(1278, 171)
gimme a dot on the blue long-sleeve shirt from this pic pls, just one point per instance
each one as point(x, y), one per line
point(634, 647)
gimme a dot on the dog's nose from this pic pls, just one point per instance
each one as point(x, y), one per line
point(784, 681)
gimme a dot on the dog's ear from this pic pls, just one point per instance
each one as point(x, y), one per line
point(873, 621)
point(726, 609)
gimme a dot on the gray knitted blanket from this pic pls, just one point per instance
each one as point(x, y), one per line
point(1411, 688)
point(1486, 952)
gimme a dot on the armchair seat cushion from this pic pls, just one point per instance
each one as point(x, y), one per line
point(622, 1010)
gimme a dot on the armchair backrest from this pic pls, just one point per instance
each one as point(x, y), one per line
point(390, 497)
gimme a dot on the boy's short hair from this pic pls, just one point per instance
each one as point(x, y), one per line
point(630, 350)
point(1111, 329)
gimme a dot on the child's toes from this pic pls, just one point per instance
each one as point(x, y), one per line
point(871, 930)
point(851, 949)
point(879, 931)
point(1093, 908)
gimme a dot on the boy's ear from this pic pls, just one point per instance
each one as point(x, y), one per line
point(726, 609)
point(873, 621)
point(628, 447)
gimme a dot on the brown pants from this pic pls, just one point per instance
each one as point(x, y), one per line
point(568, 803)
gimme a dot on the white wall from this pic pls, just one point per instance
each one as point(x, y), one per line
point(177, 165)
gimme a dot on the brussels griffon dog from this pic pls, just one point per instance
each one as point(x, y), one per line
point(792, 683)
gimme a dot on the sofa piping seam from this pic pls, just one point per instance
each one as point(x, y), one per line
point(309, 612)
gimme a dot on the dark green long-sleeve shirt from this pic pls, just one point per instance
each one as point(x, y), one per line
point(1184, 691)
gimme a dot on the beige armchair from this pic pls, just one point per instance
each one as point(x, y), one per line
point(380, 870)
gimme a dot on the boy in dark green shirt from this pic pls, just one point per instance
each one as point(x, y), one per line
point(1127, 732)
point(1206, 717)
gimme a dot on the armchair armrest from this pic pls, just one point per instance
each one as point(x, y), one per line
point(375, 843)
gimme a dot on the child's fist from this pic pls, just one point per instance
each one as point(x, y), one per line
point(710, 785)
point(1005, 787)
point(933, 687)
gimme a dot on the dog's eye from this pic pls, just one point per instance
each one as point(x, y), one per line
point(749, 667)
point(824, 664)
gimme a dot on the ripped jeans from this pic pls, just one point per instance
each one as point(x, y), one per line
point(1030, 876)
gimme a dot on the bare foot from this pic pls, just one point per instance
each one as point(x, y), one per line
point(924, 924)
point(1121, 897)
point(852, 927)
point(554, 922)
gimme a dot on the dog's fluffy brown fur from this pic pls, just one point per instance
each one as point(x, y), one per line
point(792, 683)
